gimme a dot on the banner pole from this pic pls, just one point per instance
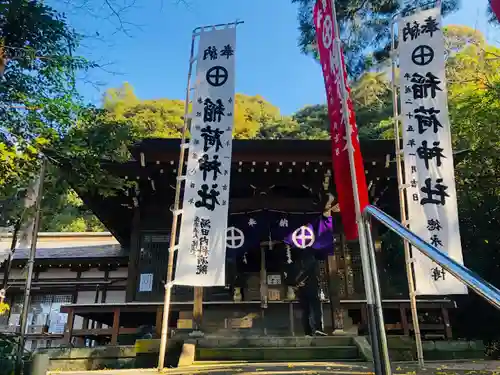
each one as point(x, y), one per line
point(175, 219)
point(381, 357)
point(402, 205)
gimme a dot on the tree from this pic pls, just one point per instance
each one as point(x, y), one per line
point(364, 27)
point(41, 111)
point(372, 97)
point(254, 117)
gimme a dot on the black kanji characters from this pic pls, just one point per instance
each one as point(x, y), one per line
point(430, 26)
point(213, 112)
point(411, 143)
point(207, 166)
point(227, 51)
point(425, 86)
point(437, 274)
point(436, 241)
point(439, 191)
point(411, 31)
point(202, 265)
point(210, 53)
point(434, 225)
point(195, 240)
point(208, 198)
point(205, 223)
point(425, 153)
point(426, 118)
point(211, 137)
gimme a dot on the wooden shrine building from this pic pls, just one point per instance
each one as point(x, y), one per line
point(290, 177)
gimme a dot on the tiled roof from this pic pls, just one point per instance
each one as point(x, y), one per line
point(77, 252)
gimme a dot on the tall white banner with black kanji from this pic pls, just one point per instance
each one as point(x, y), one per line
point(428, 155)
point(201, 256)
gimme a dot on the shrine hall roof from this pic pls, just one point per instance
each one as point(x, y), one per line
point(77, 252)
point(265, 150)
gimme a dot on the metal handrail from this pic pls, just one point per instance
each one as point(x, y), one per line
point(462, 273)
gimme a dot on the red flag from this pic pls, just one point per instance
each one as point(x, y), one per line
point(325, 33)
point(495, 6)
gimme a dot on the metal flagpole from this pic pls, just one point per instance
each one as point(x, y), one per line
point(402, 204)
point(30, 264)
point(376, 323)
point(176, 213)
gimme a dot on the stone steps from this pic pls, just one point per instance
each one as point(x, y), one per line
point(289, 354)
point(273, 341)
point(262, 348)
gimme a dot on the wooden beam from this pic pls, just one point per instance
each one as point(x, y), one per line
point(446, 322)
point(135, 244)
point(68, 330)
point(404, 320)
point(159, 318)
point(116, 327)
point(198, 307)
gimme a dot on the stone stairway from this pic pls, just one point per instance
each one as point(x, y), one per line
point(268, 348)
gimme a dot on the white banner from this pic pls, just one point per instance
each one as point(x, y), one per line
point(428, 155)
point(202, 243)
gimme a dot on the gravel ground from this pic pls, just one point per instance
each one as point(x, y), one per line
point(311, 368)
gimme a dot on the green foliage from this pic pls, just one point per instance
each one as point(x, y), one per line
point(254, 117)
point(161, 118)
point(372, 97)
point(364, 27)
point(41, 111)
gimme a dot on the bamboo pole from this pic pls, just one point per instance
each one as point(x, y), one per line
point(402, 206)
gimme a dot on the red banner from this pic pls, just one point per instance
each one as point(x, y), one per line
point(325, 32)
point(495, 6)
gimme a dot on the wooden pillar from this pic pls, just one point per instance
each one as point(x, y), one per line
point(68, 331)
point(159, 318)
point(291, 315)
point(364, 319)
point(103, 296)
point(85, 324)
point(404, 320)
point(263, 284)
point(446, 322)
point(135, 244)
point(334, 292)
point(198, 307)
point(116, 327)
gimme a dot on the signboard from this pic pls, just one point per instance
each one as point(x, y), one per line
point(202, 243)
point(428, 155)
point(334, 72)
point(146, 282)
point(273, 279)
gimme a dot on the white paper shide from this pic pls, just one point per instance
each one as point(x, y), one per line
point(202, 243)
point(428, 155)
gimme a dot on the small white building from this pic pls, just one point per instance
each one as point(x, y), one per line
point(70, 268)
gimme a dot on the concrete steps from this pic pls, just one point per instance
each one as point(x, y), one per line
point(330, 348)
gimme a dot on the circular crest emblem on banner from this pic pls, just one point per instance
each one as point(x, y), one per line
point(327, 33)
point(303, 237)
point(234, 238)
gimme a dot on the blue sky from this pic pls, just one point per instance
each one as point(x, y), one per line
point(153, 57)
